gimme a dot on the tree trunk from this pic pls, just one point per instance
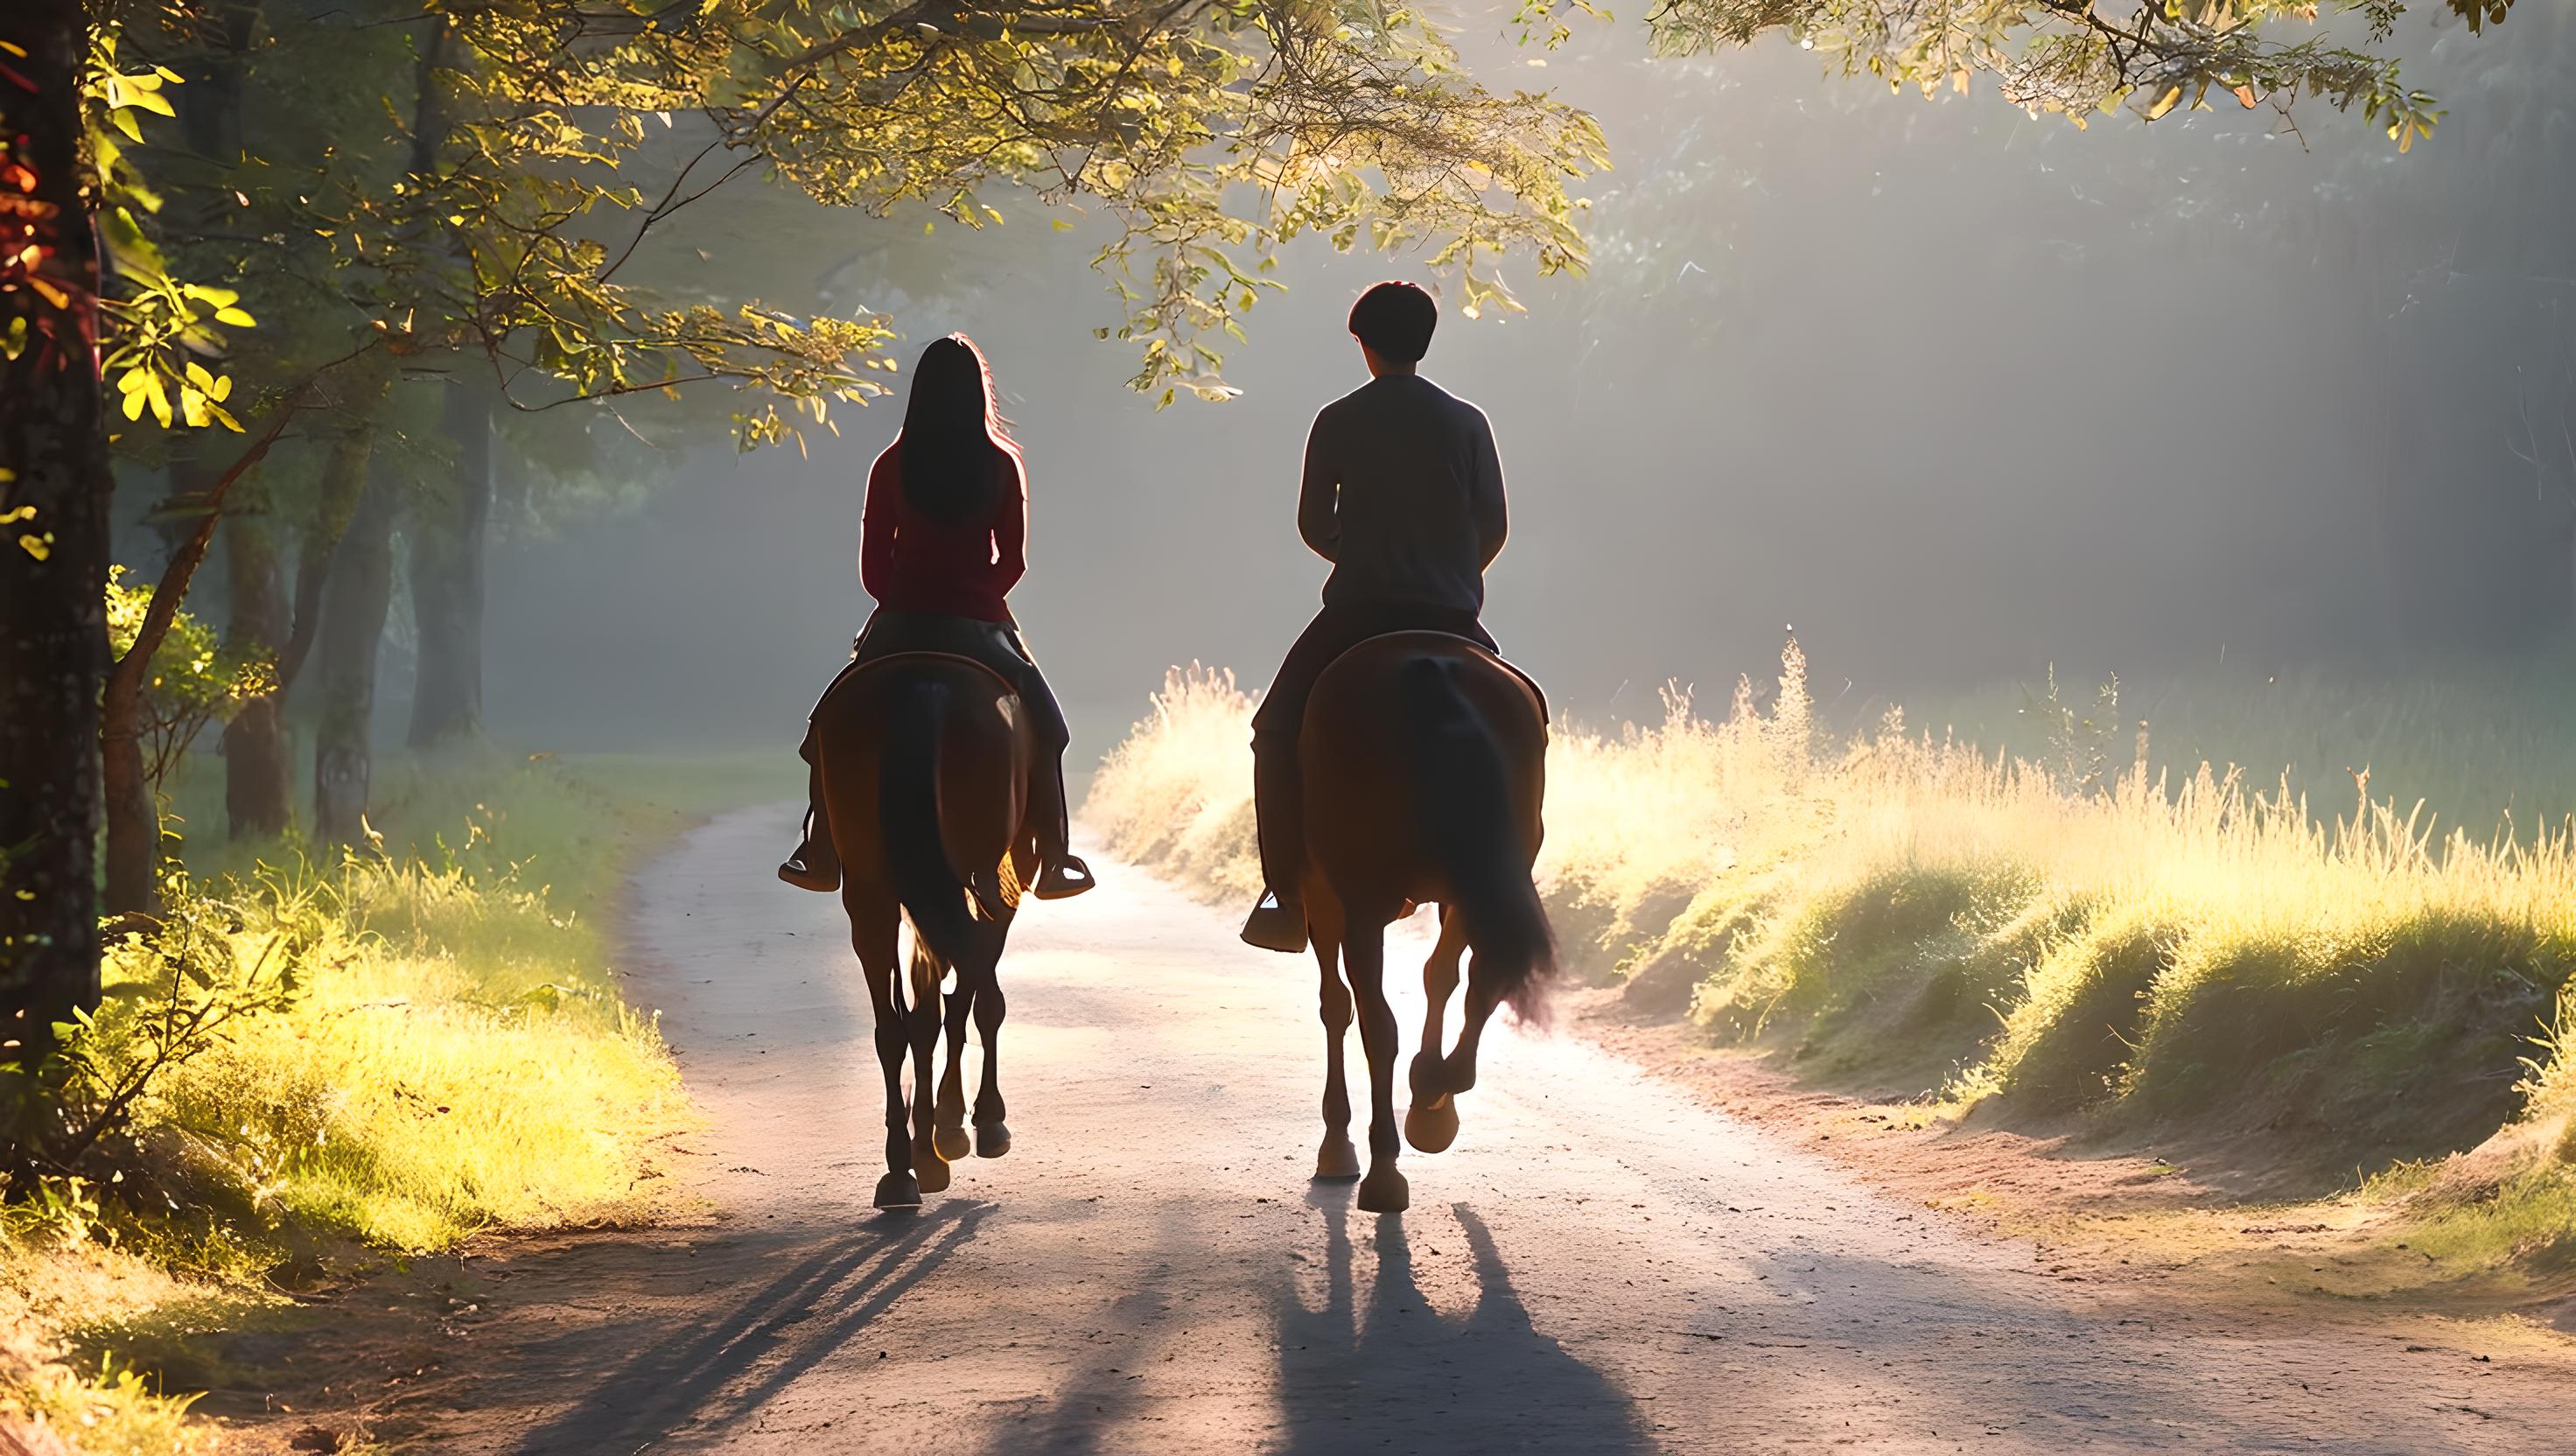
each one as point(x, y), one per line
point(53, 554)
point(132, 883)
point(259, 790)
point(259, 762)
point(133, 815)
point(353, 627)
point(447, 551)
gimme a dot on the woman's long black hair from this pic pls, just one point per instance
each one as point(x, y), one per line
point(957, 455)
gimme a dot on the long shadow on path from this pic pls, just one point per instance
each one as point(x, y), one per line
point(1390, 1373)
point(736, 1363)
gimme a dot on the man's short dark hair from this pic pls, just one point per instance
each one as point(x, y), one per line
point(1395, 319)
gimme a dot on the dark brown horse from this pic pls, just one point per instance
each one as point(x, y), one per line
point(1425, 766)
point(924, 760)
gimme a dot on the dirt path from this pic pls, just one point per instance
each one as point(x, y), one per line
point(1600, 1265)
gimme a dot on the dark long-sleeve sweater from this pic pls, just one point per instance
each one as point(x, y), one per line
point(1403, 493)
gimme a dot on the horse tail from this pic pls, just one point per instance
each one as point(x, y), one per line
point(1464, 812)
point(925, 882)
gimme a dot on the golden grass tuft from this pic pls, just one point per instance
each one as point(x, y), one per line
point(2070, 937)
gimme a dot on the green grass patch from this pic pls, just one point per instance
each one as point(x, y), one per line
point(418, 1042)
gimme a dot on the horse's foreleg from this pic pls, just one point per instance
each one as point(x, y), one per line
point(922, 1027)
point(872, 934)
point(992, 1134)
point(1364, 958)
point(1336, 1158)
point(948, 1125)
point(1431, 1123)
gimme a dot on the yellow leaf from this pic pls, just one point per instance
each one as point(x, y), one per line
point(235, 317)
point(2164, 103)
point(134, 405)
point(36, 546)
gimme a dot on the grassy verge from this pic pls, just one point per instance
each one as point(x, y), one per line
point(2080, 940)
point(392, 1053)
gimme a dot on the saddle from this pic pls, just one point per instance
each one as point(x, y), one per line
point(1480, 650)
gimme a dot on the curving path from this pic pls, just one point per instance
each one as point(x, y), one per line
point(1600, 1265)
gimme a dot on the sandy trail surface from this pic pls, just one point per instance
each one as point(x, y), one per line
point(1599, 1265)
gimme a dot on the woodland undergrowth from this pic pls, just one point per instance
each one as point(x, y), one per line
point(307, 1068)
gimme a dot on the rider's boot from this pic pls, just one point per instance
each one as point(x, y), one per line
point(815, 865)
point(1061, 874)
point(1278, 920)
point(1276, 925)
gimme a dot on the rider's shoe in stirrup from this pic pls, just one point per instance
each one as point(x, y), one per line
point(1274, 926)
point(807, 870)
point(1064, 877)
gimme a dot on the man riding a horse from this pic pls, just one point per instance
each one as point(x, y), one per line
point(1403, 494)
point(1397, 760)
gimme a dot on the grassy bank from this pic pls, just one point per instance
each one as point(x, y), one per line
point(2075, 939)
point(367, 1059)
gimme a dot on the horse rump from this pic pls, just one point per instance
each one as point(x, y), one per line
point(1464, 809)
point(917, 864)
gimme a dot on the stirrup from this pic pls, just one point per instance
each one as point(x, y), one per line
point(1274, 926)
point(1063, 878)
point(801, 871)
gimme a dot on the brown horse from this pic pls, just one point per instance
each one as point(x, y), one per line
point(1425, 765)
point(924, 760)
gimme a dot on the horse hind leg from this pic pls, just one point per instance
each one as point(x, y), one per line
point(992, 1133)
point(1459, 1068)
point(1336, 1159)
point(948, 1120)
point(1431, 1122)
point(1364, 957)
point(872, 935)
point(922, 1028)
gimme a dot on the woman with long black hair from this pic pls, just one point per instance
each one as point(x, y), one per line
point(942, 540)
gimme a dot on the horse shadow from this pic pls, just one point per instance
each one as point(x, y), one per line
point(781, 1330)
point(1385, 1370)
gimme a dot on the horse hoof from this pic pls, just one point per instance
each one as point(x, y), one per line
point(1384, 1191)
point(932, 1170)
point(951, 1142)
point(899, 1190)
point(1424, 1076)
point(1337, 1159)
point(1433, 1128)
point(992, 1139)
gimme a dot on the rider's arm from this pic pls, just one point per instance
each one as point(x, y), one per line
point(1011, 529)
point(876, 526)
point(1485, 495)
point(1316, 496)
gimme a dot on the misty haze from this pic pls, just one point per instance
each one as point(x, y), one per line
point(1760, 725)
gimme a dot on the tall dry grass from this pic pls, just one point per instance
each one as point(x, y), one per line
point(2072, 933)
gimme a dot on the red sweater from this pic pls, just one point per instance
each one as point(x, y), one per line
point(911, 563)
